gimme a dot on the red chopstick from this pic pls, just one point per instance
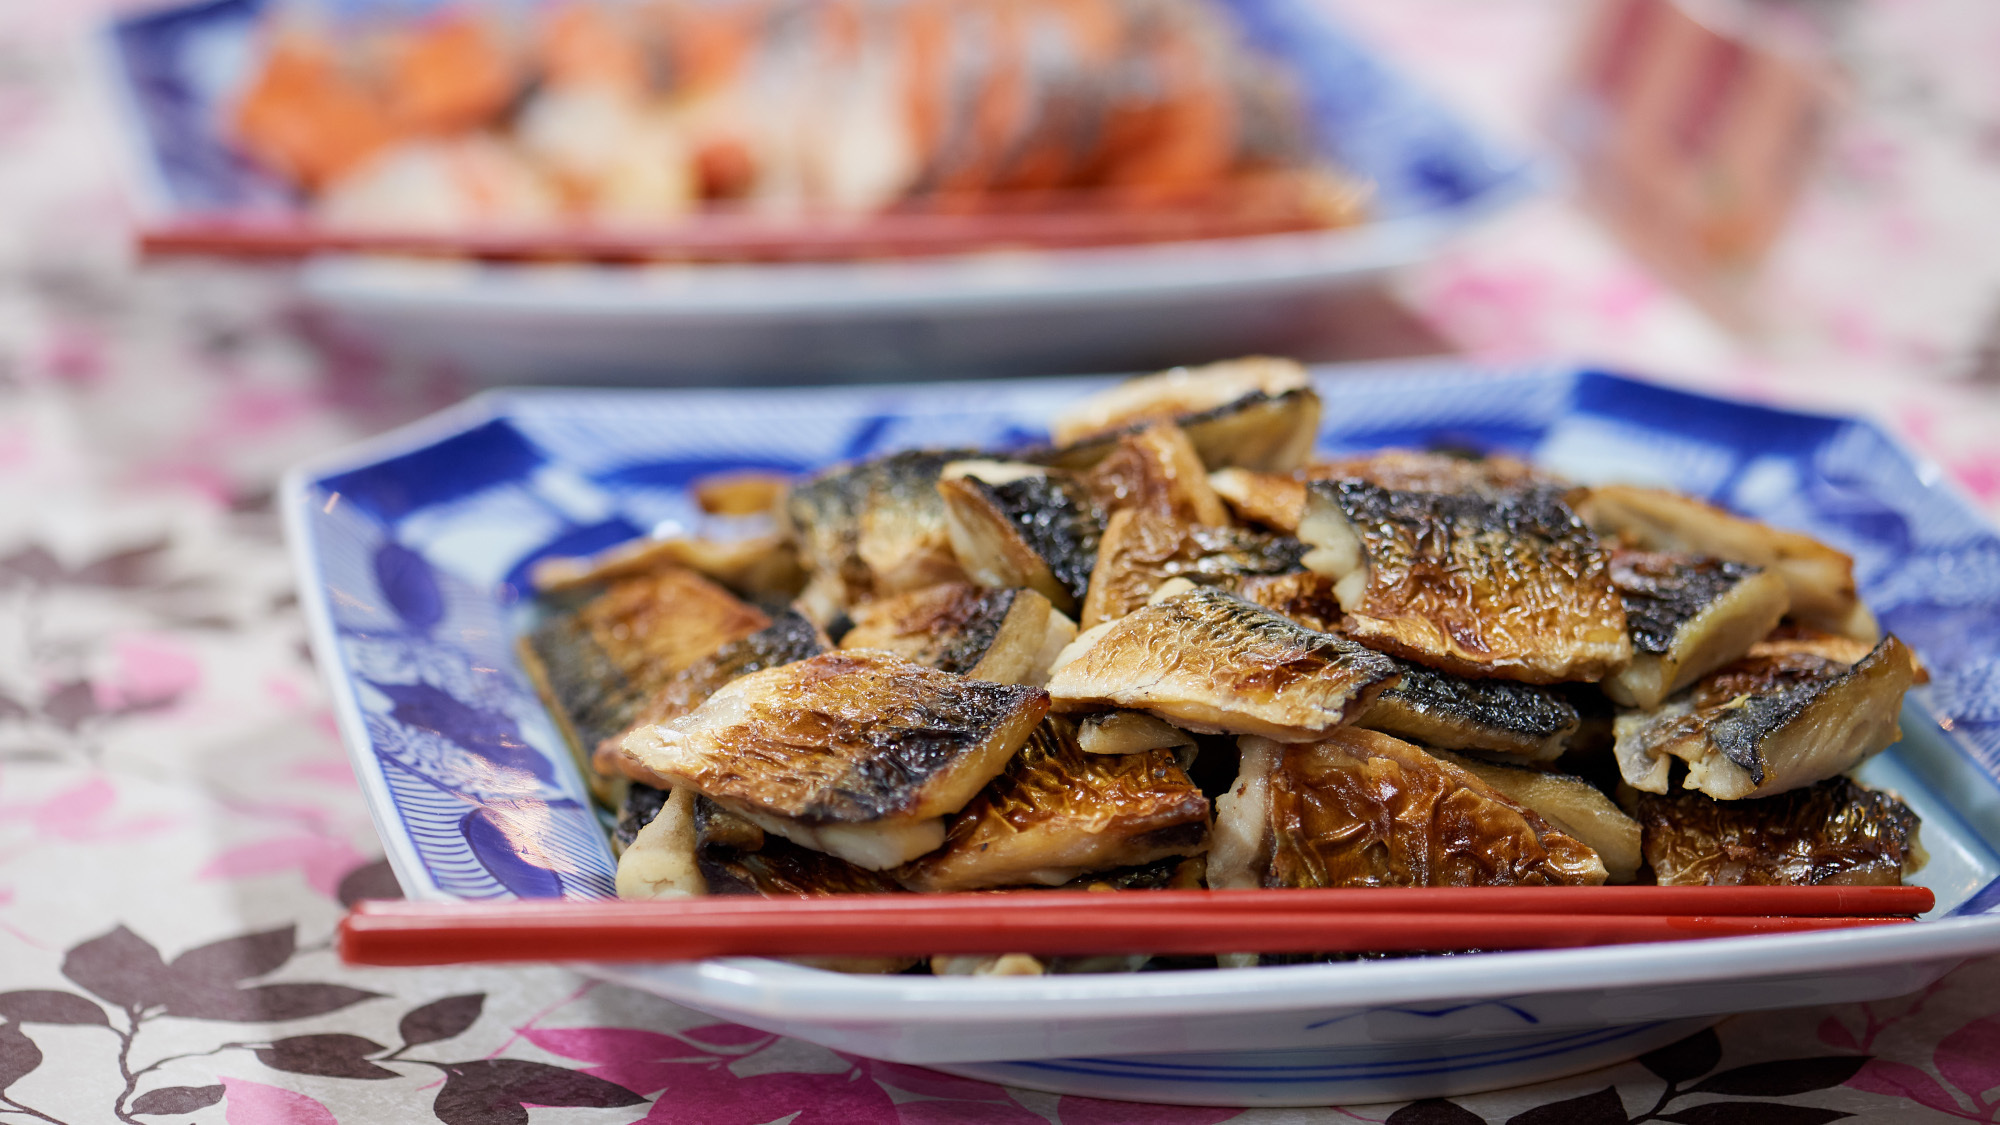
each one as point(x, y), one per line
point(1060, 923)
point(727, 238)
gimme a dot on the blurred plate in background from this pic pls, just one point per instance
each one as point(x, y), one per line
point(175, 71)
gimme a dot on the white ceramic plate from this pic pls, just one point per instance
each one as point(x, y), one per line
point(411, 551)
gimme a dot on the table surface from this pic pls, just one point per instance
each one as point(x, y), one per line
point(179, 828)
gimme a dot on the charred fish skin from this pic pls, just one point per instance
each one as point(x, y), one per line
point(1210, 661)
point(1688, 615)
point(598, 654)
point(790, 637)
point(1362, 809)
point(1257, 413)
point(1048, 527)
point(1058, 813)
point(1140, 550)
point(857, 753)
point(1454, 713)
point(874, 528)
point(1831, 832)
point(1771, 723)
point(1509, 585)
point(948, 627)
point(737, 858)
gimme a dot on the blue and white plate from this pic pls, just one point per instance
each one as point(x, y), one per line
point(412, 549)
point(175, 72)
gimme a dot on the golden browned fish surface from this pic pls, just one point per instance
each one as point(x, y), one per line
point(1142, 549)
point(1258, 413)
point(1418, 470)
point(1687, 615)
point(760, 566)
point(1834, 831)
point(600, 653)
point(1057, 812)
point(1022, 525)
point(1820, 579)
point(872, 529)
point(1454, 713)
point(1362, 809)
point(860, 754)
point(1769, 723)
point(1574, 806)
point(1003, 636)
point(1305, 596)
point(1210, 661)
point(1273, 500)
point(1507, 584)
point(1156, 470)
point(788, 638)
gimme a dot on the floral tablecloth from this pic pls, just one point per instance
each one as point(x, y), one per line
point(179, 829)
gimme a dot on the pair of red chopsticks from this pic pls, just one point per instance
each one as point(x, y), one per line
point(1072, 923)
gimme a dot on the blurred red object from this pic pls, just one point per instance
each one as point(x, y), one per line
point(1693, 127)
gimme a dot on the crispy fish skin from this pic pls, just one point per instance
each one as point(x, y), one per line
point(1209, 661)
point(1831, 832)
point(759, 566)
point(1574, 806)
point(1257, 413)
point(788, 638)
point(1509, 585)
point(1454, 713)
point(1361, 809)
point(1688, 615)
point(1770, 723)
point(1305, 596)
point(738, 858)
point(1035, 529)
point(1000, 636)
point(1820, 579)
point(1142, 549)
point(1156, 470)
point(860, 754)
point(598, 655)
point(1278, 500)
point(872, 529)
point(1057, 813)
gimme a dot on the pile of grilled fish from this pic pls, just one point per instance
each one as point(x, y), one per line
point(1171, 649)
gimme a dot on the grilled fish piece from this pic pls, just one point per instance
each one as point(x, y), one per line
point(1362, 809)
point(872, 529)
point(1687, 615)
point(1156, 470)
point(1022, 525)
point(738, 858)
point(1439, 709)
point(1057, 813)
point(1001, 636)
point(1141, 550)
point(759, 567)
point(1259, 413)
point(1509, 584)
point(1574, 806)
point(600, 653)
point(1821, 579)
point(1133, 732)
point(660, 860)
point(1304, 596)
point(788, 638)
point(1209, 661)
point(1834, 831)
point(859, 754)
point(1278, 500)
point(1770, 723)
